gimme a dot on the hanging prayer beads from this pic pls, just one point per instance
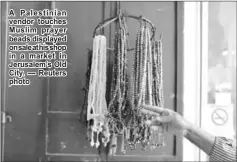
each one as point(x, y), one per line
point(97, 106)
point(121, 115)
point(147, 86)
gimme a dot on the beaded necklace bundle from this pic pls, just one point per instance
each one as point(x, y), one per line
point(121, 114)
point(119, 102)
point(147, 88)
point(97, 106)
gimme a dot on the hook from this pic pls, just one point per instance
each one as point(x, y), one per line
point(145, 22)
point(120, 13)
point(100, 28)
point(153, 32)
point(154, 29)
point(119, 18)
point(140, 17)
point(125, 27)
point(140, 20)
point(88, 50)
point(161, 36)
point(120, 22)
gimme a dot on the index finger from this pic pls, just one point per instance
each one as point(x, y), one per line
point(154, 108)
point(151, 113)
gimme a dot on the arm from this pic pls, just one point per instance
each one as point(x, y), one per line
point(200, 138)
point(177, 123)
point(218, 148)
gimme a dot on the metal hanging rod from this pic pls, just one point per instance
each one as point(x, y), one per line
point(122, 15)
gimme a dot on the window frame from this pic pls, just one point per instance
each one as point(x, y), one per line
point(192, 73)
point(195, 73)
point(204, 66)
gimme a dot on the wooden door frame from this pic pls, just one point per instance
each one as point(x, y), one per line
point(179, 43)
point(191, 58)
point(3, 41)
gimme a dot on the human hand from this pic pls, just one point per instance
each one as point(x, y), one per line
point(172, 121)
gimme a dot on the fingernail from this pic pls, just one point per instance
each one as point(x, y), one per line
point(148, 122)
point(159, 119)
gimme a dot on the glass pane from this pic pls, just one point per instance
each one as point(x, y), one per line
point(218, 98)
point(221, 90)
